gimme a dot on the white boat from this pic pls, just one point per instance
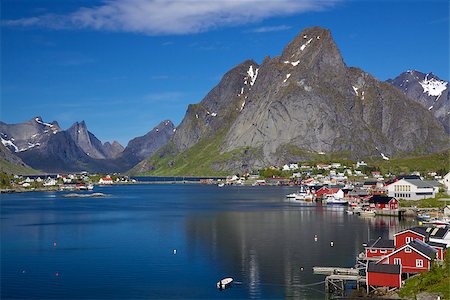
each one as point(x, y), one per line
point(335, 201)
point(224, 283)
point(438, 222)
point(349, 212)
point(221, 185)
point(367, 213)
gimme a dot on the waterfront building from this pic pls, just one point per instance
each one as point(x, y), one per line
point(411, 189)
point(384, 275)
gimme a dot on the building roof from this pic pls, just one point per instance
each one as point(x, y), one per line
point(419, 183)
point(420, 230)
point(408, 177)
point(438, 245)
point(380, 199)
point(433, 183)
point(370, 183)
point(381, 243)
point(383, 268)
point(423, 248)
point(437, 233)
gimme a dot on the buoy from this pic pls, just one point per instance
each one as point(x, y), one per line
point(54, 244)
point(420, 223)
point(331, 243)
point(315, 238)
point(56, 274)
point(23, 271)
point(301, 269)
point(174, 251)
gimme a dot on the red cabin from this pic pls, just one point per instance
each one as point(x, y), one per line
point(383, 202)
point(384, 275)
point(379, 248)
point(440, 248)
point(415, 257)
point(408, 235)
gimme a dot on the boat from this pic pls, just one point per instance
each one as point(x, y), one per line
point(224, 283)
point(349, 212)
point(335, 201)
point(437, 222)
point(221, 185)
point(367, 213)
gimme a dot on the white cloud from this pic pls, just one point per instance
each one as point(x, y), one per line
point(164, 17)
point(270, 28)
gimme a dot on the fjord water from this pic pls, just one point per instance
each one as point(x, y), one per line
point(122, 246)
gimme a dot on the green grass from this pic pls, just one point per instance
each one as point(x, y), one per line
point(437, 280)
point(437, 162)
point(10, 168)
point(426, 203)
point(202, 159)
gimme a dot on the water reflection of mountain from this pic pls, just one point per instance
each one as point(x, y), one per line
point(266, 249)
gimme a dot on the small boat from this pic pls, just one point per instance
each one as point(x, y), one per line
point(224, 283)
point(437, 222)
point(349, 212)
point(367, 213)
point(221, 185)
point(334, 201)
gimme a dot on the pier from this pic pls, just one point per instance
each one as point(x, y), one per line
point(337, 278)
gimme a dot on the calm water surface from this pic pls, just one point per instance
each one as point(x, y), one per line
point(122, 246)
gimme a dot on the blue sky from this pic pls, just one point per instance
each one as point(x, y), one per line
point(125, 65)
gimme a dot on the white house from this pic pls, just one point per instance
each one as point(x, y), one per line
point(411, 189)
point(50, 182)
point(105, 180)
point(446, 181)
point(447, 211)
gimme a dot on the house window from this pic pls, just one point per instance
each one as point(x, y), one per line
point(373, 250)
point(408, 239)
point(397, 261)
point(383, 251)
point(408, 250)
point(419, 263)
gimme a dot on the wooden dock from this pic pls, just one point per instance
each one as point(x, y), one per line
point(335, 271)
point(336, 278)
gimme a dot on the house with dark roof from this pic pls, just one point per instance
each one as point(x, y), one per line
point(440, 248)
point(383, 275)
point(379, 248)
point(439, 235)
point(411, 189)
point(415, 257)
point(383, 202)
point(406, 236)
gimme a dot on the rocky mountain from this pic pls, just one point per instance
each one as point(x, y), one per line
point(12, 164)
point(300, 105)
point(91, 145)
point(428, 90)
point(46, 147)
point(113, 149)
point(143, 147)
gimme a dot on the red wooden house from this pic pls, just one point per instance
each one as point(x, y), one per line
point(408, 235)
point(383, 202)
point(326, 191)
point(414, 257)
point(384, 275)
point(379, 248)
point(440, 248)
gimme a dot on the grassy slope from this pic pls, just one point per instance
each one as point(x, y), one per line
point(10, 168)
point(202, 159)
point(437, 280)
point(432, 162)
point(429, 202)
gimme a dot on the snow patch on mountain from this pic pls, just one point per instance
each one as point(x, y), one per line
point(287, 77)
point(433, 86)
point(304, 45)
point(253, 74)
point(9, 143)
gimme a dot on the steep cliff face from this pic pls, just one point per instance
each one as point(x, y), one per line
point(309, 99)
point(219, 108)
point(305, 103)
point(428, 90)
point(113, 149)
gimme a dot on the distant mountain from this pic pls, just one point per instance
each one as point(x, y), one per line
point(45, 146)
point(428, 90)
point(303, 104)
point(112, 150)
